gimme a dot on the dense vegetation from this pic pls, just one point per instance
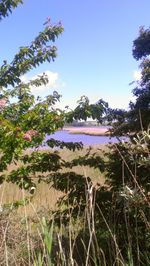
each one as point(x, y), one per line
point(99, 224)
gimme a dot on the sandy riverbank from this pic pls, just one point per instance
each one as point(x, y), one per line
point(93, 131)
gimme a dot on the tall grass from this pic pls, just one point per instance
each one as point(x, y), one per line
point(38, 240)
point(74, 233)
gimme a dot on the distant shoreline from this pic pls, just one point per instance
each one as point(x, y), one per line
point(92, 131)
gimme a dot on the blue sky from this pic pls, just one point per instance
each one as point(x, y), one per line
point(94, 52)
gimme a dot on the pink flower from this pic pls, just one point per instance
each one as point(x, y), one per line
point(32, 132)
point(3, 103)
point(27, 137)
point(29, 134)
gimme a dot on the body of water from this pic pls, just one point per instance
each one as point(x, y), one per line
point(64, 135)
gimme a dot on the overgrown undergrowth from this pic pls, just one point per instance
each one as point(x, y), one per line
point(95, 221)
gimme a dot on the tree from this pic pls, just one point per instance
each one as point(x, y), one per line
point(127, 167)
point(6, 7)
point(138, 116)
point(25, 120)
point(140, 110)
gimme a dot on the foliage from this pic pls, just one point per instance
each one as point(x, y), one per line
point(117, 213)
point(137, 118)
point(47, 234)
point(141, 45)
point(25, 120)
point(6, 7)
point(86, 110)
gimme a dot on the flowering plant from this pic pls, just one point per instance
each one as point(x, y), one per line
point(24, 119)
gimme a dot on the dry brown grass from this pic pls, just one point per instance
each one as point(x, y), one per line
point(46, 196)
point(20, 237)
point(20, 229)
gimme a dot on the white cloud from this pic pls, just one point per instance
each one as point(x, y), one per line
point(43, 89)
point(137, 75)
point(24, 79)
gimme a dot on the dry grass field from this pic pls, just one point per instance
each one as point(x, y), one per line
point(45, 196)
point(21, 228)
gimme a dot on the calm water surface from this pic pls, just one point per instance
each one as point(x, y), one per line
point(64, 135)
